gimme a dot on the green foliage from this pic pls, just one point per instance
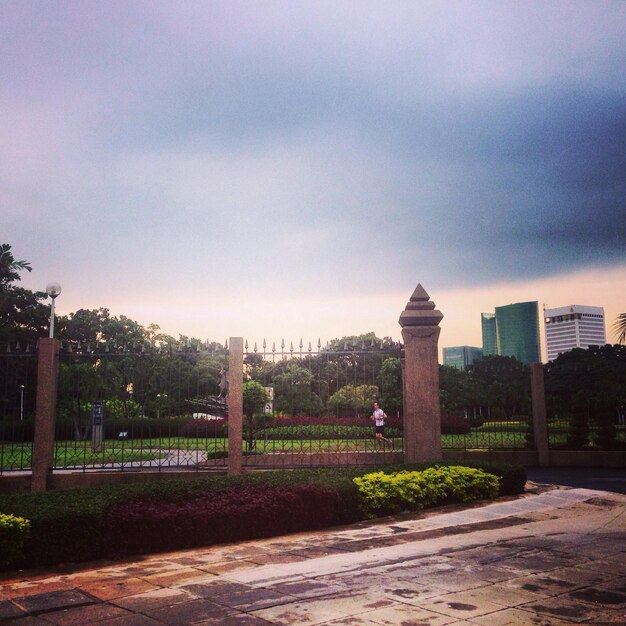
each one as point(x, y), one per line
point(294, 393)
point(383, 493)
point(323, 431)
point(391, 384)
point(354, 398)
point(14, 532)
point(578, 436)
point(76, 525)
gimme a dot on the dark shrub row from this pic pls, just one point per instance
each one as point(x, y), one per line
point(88, 524)
point(245, 512)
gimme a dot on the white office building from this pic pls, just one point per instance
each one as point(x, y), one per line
point(573, 326)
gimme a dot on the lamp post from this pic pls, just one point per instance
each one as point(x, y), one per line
point(53, 290)
point(21, 402)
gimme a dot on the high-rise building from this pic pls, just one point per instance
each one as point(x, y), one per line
point(517, 331)
point(573, 326)
point(461, 357)
point(490, 337)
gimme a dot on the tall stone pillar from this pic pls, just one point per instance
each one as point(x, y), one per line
point(422, 413)
point(43, 443)
point(235, 405)
point(540, 423)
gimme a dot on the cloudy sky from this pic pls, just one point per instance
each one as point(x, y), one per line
point(279, 168)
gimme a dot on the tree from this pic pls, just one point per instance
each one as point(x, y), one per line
point(503, 383)
point(293, 393)
point(358, 399)
point(23, 316)
point(391, 384)
point(254, 399)
point(9, 267)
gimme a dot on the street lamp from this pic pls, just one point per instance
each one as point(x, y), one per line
point(21, 402)
point(53, 290)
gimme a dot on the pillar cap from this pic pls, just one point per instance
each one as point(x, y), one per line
point(420, 310)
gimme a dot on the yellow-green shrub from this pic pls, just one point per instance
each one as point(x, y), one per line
point(382, 493)
point(13, 533)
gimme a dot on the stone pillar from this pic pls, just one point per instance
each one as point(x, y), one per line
point(43, 443)
point(422, 413)
point(540, 424)
point(235, 404)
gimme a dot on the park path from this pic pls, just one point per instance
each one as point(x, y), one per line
point(552, 556)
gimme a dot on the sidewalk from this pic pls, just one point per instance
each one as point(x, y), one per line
point(556, 557)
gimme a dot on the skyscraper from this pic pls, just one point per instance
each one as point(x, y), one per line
point(573, 326)
point(461, 356)
point(517, 331)
point(490, 343)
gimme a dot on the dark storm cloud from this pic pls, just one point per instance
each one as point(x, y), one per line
point(475, 141)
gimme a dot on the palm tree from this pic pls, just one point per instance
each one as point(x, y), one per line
point(620, 327)
point(9, 267)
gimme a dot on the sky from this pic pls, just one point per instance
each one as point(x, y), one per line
point(279, 169)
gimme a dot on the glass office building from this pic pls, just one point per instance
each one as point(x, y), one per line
point(490, 340)
point(461, 357)
point(517, 331)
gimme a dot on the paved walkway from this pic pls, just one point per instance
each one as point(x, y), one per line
point(550, 557)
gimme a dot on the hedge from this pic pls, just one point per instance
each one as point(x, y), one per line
point(14, 532)
point(100, 522)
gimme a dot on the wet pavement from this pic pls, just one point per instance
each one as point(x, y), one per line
point(552, 556)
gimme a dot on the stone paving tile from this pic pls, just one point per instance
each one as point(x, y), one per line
point(176, 577)
point(153, 599)
point(601, 595)
point(8, 610)
point(319, 611)
point(615, 564)
point(118, 588)
point(132, 619)
point(408, 614)
point(85, 615)
point(463, 605)
point(516, 617)
point(27, 621)
point(306, 589)
point(285, 557)
point(564, 609)
point(193, 612)
point(33, 587)
point(540, 584)
point(352, 620)
point(54, 600)
point(226, 566)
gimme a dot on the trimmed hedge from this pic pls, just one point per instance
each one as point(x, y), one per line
point(88, 524)
point(246, 512)
point(14, 532)
point(381, 493)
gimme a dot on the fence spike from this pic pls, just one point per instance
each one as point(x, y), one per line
point(226, 345)
point(246, 346)
point(264, 344)
point(273, 346)
point(301, 344)
point(255, 348)
point(319, 343)
point(282, 344)
point(17, 346)
point(291, 346)
point(309, 346)
point(8, 347)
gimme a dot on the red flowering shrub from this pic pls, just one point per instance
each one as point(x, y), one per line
point(332, 420)
point(150, 525)
point(454, 425)
point(203, 428)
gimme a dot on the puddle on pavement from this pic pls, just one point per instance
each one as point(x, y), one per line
point(599, 597)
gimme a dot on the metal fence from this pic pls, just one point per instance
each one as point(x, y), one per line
point(18, 385)
point(319, 403)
